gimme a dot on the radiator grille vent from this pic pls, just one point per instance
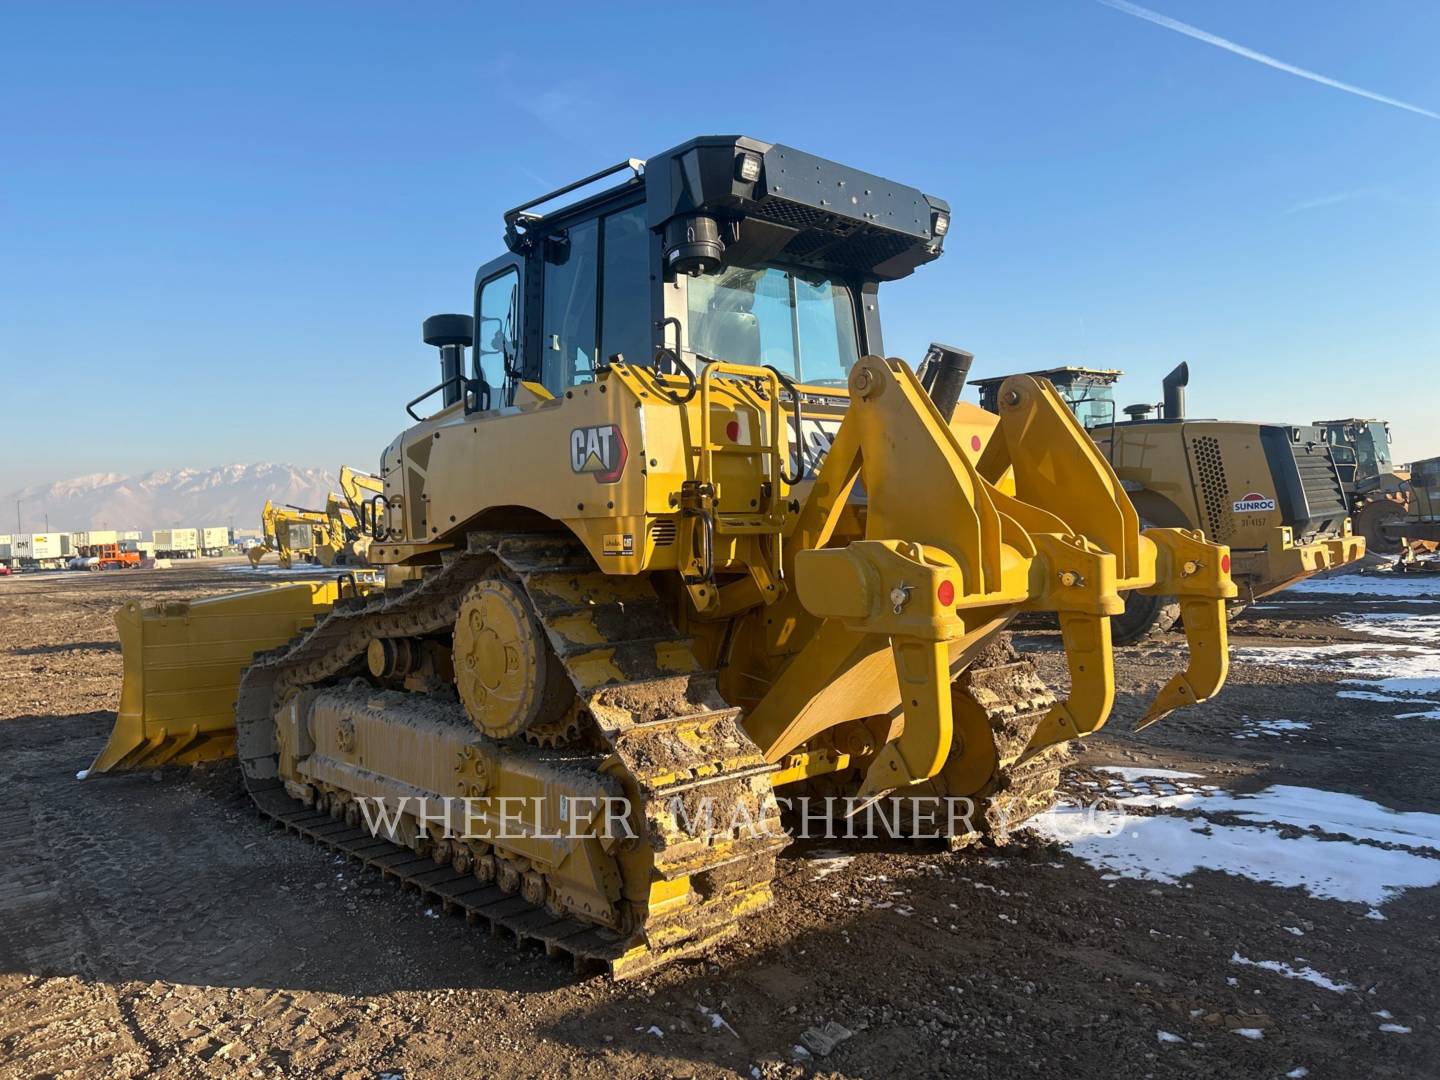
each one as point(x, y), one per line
point(1211, 471)
point(663, 533)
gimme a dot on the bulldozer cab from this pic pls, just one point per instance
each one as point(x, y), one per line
point(1361, 449)
point(723, 248)
point(1090, 392)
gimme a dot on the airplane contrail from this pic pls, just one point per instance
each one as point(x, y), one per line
point(1259, 57)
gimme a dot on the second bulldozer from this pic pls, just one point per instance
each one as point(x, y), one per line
point(1378, 490)
point(679, 539)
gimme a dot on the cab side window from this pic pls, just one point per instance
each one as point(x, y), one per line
point(597, 297)
point(497, 341)
point(567, 340)
point(625, 287)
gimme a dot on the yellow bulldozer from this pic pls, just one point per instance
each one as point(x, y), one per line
point(678, 548)
point(1272, 492)
point(1379, 491)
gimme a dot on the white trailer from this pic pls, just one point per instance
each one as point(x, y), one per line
point(41, 551)
point(6, 544)
point(214, 539)
point(177, 543)
point(87, 542)
point(144, 547)
point(133, 534)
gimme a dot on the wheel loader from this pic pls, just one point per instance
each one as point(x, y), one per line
point(1271, 492)
point(1378, 491)
point(674, 549)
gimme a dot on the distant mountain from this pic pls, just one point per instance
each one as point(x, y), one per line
point(166, 498)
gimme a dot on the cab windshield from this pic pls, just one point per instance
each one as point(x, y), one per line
point(1373, 447)
point(800, 323)
point(1367, 446)
point(1092, 403)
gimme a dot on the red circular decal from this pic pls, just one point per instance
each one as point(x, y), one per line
point(945, 594)
point(975, 443)
point(1225, 563)
point(732, 430)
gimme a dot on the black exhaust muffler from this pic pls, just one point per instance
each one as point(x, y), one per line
point(1174, 386)
point(942, 374)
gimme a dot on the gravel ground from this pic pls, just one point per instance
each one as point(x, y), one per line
point(152, 925)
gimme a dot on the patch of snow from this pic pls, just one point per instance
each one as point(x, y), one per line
point(1287, 729)
point(1307, 973)
point(1431, 714)
point(1416, 629)
point(1166, 848)
point(717, 1021)
point(1395, 1029)
point(1294, 930)
point(1370, 695)
point(827, 861)
point(1248, 1033)
point(1397, 585)
point(1298, 1073)
point(1384, 1014)
point(1168, 1037)
point(1137, 772)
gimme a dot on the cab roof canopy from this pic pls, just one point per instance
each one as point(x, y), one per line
point(742, 201)
point(1069, 375)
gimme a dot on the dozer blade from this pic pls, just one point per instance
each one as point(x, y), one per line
point(182, 664)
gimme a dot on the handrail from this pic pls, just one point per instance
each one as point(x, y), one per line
point(674, 354)
point(479, 387)
point(635, 165)
point(789, 384)
point(778, 446)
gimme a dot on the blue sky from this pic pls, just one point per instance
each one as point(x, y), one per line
point(221, 225)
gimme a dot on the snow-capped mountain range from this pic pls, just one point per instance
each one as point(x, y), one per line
point(166, 498)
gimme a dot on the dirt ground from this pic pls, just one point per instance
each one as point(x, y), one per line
point(153, 925)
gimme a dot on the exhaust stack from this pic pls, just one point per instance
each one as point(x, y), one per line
point(942, 374)
point(1174, 386)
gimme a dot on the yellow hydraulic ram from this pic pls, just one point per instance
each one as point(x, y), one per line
point(952, 550)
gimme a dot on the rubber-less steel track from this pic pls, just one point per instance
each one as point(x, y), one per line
point(651, 705)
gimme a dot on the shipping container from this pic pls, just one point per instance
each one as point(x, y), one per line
point(47, 551)
point(145, 547)
point(133, 534)
point(177, 543)
point(214, 539)
point(86, 542)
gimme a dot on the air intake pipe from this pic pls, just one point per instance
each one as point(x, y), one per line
point(1174, 386)
point(450, 334)
point(942, 374)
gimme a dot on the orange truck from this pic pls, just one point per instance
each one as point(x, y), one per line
point(114, 557)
